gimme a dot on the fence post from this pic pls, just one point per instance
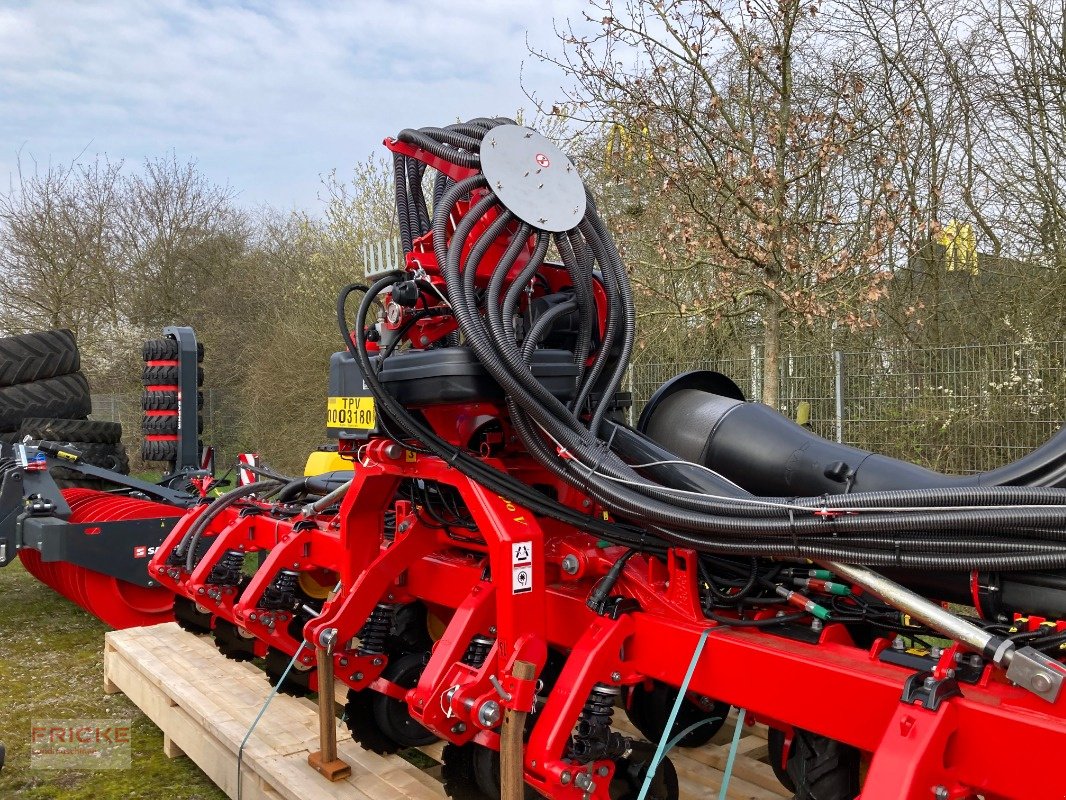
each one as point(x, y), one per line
point(756, 375)
point(838, 381)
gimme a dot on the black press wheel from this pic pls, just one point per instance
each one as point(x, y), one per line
point(816, 767)
point(649, 708)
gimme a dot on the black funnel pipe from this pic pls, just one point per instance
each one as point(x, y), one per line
point(768, 454)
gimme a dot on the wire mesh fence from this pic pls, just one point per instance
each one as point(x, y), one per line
point(954, 409)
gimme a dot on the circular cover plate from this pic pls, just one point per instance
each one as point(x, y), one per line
point(533, 178)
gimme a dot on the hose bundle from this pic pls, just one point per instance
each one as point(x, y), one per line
point(660, 500)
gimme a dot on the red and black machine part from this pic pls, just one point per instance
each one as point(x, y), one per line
point(498, 509)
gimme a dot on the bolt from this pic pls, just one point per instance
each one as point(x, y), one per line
point(705, 702)
point(584, 781)
point(565, 778)
point(492, 142)
point(458, 728)
point(616, 676)
point(816, 625)
point(950, 673)
point(898, 643)
point(529, 135)
point(602, 771)
point(201, 590)
point(376, 662)
point(357, 676)
point(498, 185)
point(936, 652)
point(570, 565)
point(492, 629)
point(976, 660)
point(569, 168)
point(488, 716)
point(1040, 682)
point(343, 662)
point(929, 682)
point(542, 220)
point(941, 792)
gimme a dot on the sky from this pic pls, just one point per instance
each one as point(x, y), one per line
point(264, 96)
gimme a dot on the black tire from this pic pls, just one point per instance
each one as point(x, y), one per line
point(818, 768)
point(63, 397)
point(167, 350)
point(166, 376)
point(166, 401)
point(159, 451)
point(10, 437)
point(649, 709)
point(72, 430)
point(162, 451)
point(36, 356)
point(166, 424)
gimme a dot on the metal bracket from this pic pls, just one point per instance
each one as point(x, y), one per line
point(924, 689)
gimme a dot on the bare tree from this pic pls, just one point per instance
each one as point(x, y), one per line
point(750, 131)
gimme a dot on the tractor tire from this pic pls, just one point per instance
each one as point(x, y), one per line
point(166, 401)
point(818, 768)
point(167, 350)
point(62, 397)
point(37, 356)
point(166, 376)
point(10, 437)
point(154, 424)
point(159, 451)
point(72, 430)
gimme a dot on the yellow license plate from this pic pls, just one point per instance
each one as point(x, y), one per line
point(351, 413)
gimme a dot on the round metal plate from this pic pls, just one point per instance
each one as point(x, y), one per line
point(533, 178)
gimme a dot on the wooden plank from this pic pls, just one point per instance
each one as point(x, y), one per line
point(204, 703)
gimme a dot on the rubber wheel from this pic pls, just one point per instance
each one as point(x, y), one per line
point(649, 709)
point(159, 451)
point(360, 718)
point(166, 401)
point(167, 350)
point(10, 437)
point(72, 430)
point(392, 716)
point(166, 376)
point(152, 424)
point(36, 356)
point(818, 768)
point(629, 777)
point(64, 397)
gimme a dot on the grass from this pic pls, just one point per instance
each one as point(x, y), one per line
point(51, 667)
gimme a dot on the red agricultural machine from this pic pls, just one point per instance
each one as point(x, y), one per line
point(499, 512)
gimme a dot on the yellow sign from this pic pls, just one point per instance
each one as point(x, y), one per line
point(351, 413)
point(960, 247)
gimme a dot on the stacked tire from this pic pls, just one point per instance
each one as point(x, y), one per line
point(45, 396)
point(159, 402)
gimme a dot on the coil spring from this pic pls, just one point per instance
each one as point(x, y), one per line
point(593, 738)
point(375, 632)
point(229, 570)
point(390, 526)
point(478, 650)
point(282, 593)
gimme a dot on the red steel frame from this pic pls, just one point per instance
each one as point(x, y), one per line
point(996, 740)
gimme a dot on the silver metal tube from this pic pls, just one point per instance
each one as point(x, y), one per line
point(914, 604)
point(322, 503)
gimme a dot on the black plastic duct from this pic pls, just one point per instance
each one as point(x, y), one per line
point(768, 454)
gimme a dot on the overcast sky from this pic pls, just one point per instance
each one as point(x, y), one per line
point(264, 96)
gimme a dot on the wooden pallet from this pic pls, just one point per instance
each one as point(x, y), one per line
point(204, 703)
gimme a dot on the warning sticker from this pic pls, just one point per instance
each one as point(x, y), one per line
point(521, 579)
point(521, 553)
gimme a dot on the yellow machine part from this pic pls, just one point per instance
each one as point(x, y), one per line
point(322, 461)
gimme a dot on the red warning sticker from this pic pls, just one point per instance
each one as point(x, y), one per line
point(543, 160)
